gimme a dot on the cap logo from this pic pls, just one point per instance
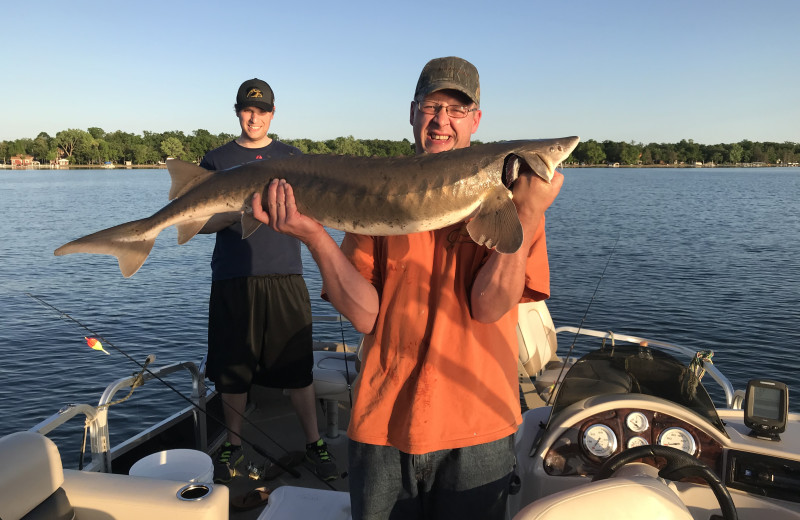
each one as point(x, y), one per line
point(254, 93)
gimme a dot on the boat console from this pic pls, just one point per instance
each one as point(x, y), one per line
point(633, 398)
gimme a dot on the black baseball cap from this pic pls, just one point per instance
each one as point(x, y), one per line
point(255, 93)
point(449, 73)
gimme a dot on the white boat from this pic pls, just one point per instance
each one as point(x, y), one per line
point(631, 432)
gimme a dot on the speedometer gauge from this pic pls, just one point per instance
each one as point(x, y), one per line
point(678, 438)
point(600, 440)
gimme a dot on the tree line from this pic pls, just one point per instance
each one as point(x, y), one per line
point(592, 152)
point(95, 146)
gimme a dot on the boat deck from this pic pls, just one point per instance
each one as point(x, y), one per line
point(270, 412)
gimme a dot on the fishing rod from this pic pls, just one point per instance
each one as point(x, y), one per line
point(580, 325)
point(143, 367)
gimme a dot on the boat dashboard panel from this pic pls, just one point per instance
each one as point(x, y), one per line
point(759, 474)
point(583, 447)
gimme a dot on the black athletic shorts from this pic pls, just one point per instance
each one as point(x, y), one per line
point(259, 331)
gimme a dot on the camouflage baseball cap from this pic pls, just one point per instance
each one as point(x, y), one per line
point(449, 73)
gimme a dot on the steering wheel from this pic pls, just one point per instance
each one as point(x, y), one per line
point(679, 465)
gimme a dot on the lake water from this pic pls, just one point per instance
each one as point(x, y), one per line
point(707, 258)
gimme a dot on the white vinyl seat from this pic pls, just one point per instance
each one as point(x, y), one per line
point(334, 373)
point(35, 486)
point(632, 497)
point(296, 503)
point(536, 337)
point(31, 477)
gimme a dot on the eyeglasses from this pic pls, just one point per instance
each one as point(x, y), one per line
point(454, 111)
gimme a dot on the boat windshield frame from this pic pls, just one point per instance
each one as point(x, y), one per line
point(634, 369)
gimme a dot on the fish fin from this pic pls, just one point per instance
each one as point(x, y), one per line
point(249, 224)
point(185, 176)
point(220, 221)
point(130, 252)
point(189, 228)
point(496, 224)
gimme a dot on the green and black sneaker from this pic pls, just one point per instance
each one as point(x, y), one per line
point(228, 457)
point(322, 462)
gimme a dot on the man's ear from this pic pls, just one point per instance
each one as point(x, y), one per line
point(476, 120)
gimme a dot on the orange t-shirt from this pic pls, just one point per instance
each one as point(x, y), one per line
point(433, 378)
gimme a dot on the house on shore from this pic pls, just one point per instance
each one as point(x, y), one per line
point(59, 164)
point(21, 162)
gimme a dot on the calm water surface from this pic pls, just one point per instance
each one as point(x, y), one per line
point(708, 258)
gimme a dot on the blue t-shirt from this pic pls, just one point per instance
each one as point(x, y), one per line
point(265, 251)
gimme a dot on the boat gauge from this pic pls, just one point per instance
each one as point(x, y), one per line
point(637, 422)
point(600, 440)
point(678, 438)
point(635, 442)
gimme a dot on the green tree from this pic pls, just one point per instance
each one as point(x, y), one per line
point(20, 146)
point(200, 142)
point(589, 152)
point(96, 132)
point(308, 146)
point(630, 153)
point(143, 154)
point(613, 151)
point(689, 151)
point(647, 155)
point(757, 153)
point(124, 144)
point(735, 153)
point(40, 148)
point(715, 153)
point(72, 141)
point(172, 147)
point(347, 146)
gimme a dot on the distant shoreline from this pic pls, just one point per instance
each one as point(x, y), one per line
point(89, 167)
point(689, 166)
point(564, 166)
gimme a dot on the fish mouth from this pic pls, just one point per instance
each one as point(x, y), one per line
point(514, 164)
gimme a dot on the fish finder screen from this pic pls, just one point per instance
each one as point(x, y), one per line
point(766, 402)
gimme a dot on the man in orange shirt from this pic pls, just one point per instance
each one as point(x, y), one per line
point(437, 402)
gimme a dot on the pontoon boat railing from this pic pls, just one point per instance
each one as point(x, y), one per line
point(97, 416)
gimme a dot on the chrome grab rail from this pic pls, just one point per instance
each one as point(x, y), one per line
point(97, 416)
point(720, 379)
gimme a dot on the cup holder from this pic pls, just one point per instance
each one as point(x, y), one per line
point(194, 491)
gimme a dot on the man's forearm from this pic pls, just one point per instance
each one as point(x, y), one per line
point(347, 290)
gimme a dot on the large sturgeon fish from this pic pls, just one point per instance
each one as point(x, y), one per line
point(365, 195)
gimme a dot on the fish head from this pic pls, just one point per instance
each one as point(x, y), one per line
point(542, 156)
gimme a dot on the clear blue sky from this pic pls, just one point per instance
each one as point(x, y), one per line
point(715, 71)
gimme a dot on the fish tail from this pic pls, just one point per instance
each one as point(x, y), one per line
point(128, 242)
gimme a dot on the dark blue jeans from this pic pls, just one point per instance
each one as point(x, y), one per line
point(462, 483)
